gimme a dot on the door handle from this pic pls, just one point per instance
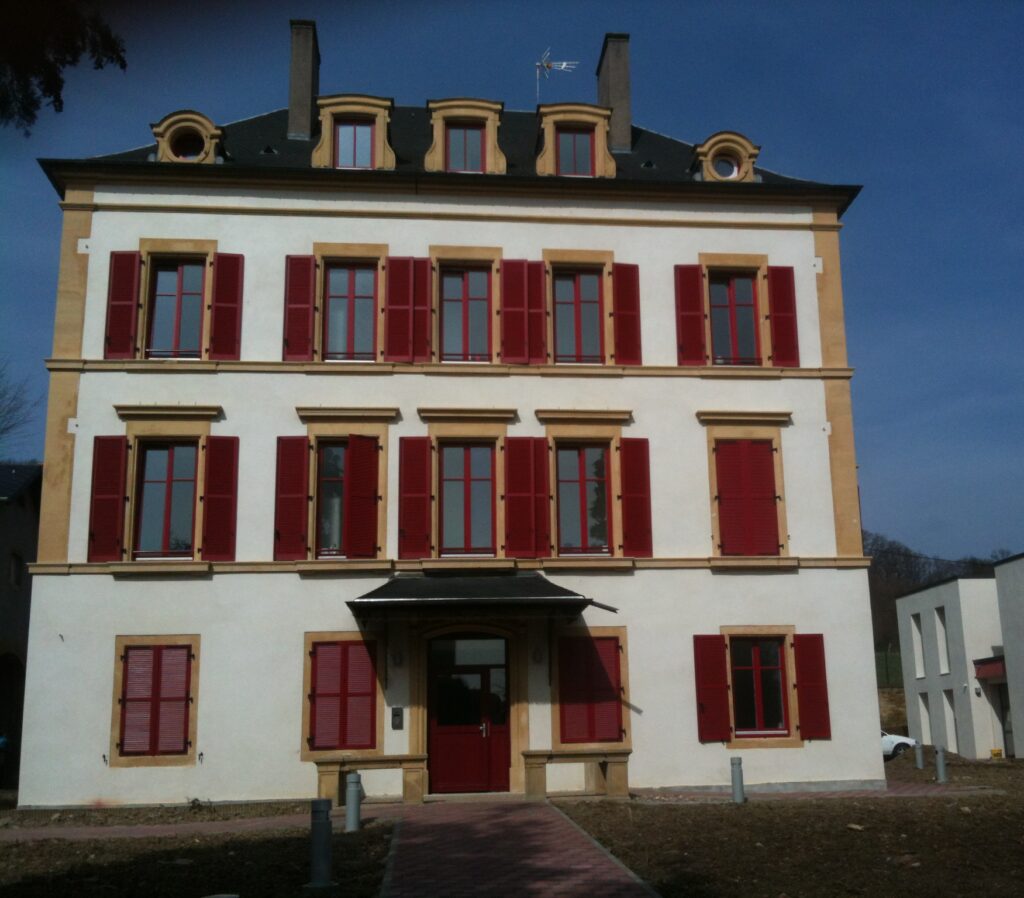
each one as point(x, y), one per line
point(483, 729)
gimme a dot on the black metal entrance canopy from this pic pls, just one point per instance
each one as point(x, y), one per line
point(523, 591)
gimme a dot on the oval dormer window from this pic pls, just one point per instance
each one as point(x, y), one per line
point(188, 144)
point(726, 166)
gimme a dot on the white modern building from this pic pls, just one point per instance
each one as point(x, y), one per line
point(1010, 587)
point(477, 450)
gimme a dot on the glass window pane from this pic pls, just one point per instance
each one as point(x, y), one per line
point(743, 699)
point(597, 515)
point(721, 341)
point(456, 149)
point(565, 158)
point(478, 284)
point(192, 278)
point(474, 149)
point(337, 281)
point(333, 461)
point(451, 286)
point(769, 651)
point(582, 154)
point(182, 504)
point(331, 507)
point(589, 287)
point(719, 293)
point(364, 150)
point(742, 652)
point(568, 464)
point(569, 515)
point(458, 699)
point(364, 327)
point(565, 331)
point(480, 461)
point(167, 280)
point(151, 517)
point(593, 461)
point(346, 156)
point(743, 288)
point(364, 281)
point(771, 700)
point(155, 466)
point(565, 289)
point(184, 462)
point(478, 328)
point(451, 336)
point(746, 344)
point(498, 700)
point(590, 325)
point(191, 322)
point(479, 651)
point(161, 334)
point(452, 461)
point(453, 524)
point(480, 514)
point(337, 325)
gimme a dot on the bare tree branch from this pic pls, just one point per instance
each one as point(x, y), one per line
point(17, 409)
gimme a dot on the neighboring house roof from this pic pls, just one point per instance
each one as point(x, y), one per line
point(16, 479)
point(984, 573)
point(260, 146)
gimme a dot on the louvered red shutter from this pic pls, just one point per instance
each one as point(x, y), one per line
point(537, 313)
point(360, 696)
point(589, 689)
point(812, 686)
point(573, 691)
point(106, 508)
point(398, 311)
point(747, 507)
point(122, 305)
point(606, 702)
point(636, 498)
point(325, 699)
point(782, 315)
point(712, 679)
point(626, 296)
point(226, 307)
point(299, 301)
point(514, 312)
point(173, 700)
point(360, 497)
point(137, 700)
point(526, 497)
point(422, 289)
point(414, 505)
point(730, 456)
point(763, 521)
point(292, 502)
point(690, 314)
point(220, 499)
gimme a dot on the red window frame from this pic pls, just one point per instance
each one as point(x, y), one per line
point(175, 352)
point(576, 133)
point(577, 302)
point(467, 480)
point(760, 731)
point(169, 480)
point(450, 130)
point(734, 309)
point(349, 353)
point(581, 480)
point(321, 479)
point(464, 302)
point(156, 700)
point(355, 124)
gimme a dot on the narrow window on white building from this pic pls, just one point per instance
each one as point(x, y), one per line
point(915, 627)
point(925, 735)
point(950, 714)
point(943, 639)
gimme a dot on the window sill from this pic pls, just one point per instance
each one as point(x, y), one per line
point(335, 565)
point(160, 568)
point(754, 562)
point(745, 742)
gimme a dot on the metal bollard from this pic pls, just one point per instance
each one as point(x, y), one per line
point(320, 847)
point(737, 780)
point(353, 799)
point(940, 765)
point(919, 756)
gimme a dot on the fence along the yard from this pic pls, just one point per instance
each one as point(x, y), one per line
point(888, 669)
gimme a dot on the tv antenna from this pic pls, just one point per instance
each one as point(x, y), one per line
point(547, 65)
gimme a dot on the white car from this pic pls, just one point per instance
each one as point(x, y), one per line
point(893, 746)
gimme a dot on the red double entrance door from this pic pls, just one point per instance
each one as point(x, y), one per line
point(468, 737)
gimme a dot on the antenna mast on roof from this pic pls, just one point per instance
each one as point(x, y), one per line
point(546, 66)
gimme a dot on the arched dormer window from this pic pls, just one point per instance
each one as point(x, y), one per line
point(354, 133)
point(465, 137)
point(727, 156)
point(575, 141)
point(187, 136)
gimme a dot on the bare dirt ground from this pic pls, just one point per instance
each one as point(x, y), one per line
point(954, 844)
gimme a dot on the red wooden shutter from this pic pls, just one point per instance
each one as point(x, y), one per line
point(292, 503)
point(106, 509)
point(747, 505)
point(220, 499)
point(636, 498)
point(626, 296)
point(514, 312)
point(423, 287)
point(122, 305)
point(299, 301)
point(712, 678)
point(414, 497)
point(137, 700)
point(812, 686)
point(526, 498)
point(173, 699)
point(360, 696)
point(360, 498)
point(537, 313)
point(226, 308)
point(782, 315)
point(589, 689)
point(690, 314)
point(325, 698)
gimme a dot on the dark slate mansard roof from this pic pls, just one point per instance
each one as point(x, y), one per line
point(260, 146)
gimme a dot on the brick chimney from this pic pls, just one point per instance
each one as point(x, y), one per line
point(304, 80)
point(613, 90)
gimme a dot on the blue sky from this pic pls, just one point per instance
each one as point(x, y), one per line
point(920, 102)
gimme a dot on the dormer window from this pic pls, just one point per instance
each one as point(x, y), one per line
point(187, 136)
point(353, 143)
point(464, 147)
point(726, 156)
point(575, 151)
